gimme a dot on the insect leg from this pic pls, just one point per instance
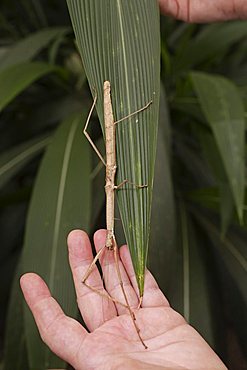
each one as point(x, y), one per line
point(87, 134)
point(91, 266)
point(132, 114)
point(116, 187)
point(87, 274)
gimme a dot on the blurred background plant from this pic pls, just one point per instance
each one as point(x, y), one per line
point(198, 229)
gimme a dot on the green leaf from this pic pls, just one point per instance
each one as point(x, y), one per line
point(206, 197)
point(190, 288)
point(212, 40)
point(214, 160)
point(230, 258)
point(56, 110)
point(119, 41)
point(193, 162)
point(15, 350)
point(188, 106)
point(13, 160)
point(29, 47)
point(17, 78)
point(60, 202)
point(223, 108)
point(163, 220)
point(15, 197)
point(211, 198)
point(232, 251)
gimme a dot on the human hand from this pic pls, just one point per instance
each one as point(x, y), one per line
point(200, 11)
point(113, 342)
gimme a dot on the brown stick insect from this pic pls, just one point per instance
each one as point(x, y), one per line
point(110, 188)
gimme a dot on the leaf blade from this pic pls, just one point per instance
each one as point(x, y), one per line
point(27, 48)
point(163, 219)
point(190, 287)
point(224, 110)
point(15, 351)
point(14, 159)
point(209, 42)
point(15, 79)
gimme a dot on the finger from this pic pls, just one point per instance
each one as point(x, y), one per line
point(95, 308)
point(62, 334)
point(153, 296)
point(172, 7)
point(202, 11)
point(111, 277)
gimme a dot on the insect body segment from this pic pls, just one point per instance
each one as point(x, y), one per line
point(111, 167)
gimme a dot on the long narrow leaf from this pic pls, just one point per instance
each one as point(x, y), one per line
point(15, 349)
point(60, 202)
point(14, 159)
point(231, 259)
point(223, 107)
point(212, 40)
point(190, 287)
point(214, 160)
point(119, 41)
point(26, 49)
point(163, 224)
point(207, 197)
point(17, 78)
point(232, 251)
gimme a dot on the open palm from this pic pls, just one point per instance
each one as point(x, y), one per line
point(113, 341)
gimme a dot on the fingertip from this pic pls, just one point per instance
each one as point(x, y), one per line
point(33, 287)
point(100, 238)
point(29, 279)
point(124, 250)
point(79, 248)
point(76, 236)
point(24, 279)
point(170, 8)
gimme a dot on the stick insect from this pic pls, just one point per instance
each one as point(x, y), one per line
point(110, 187)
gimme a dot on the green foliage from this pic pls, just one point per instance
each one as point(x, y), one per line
point(27, 48)
point(15, 79)
point(223, 107)
point(197, 246)
point(14, 159)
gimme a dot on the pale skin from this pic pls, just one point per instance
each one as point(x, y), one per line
point(111, 341)
point(200, 11)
